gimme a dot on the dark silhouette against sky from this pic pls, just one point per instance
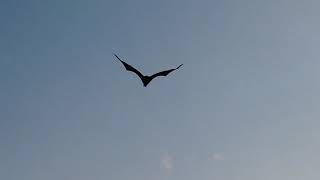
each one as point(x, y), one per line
point(246, 107)
point(144, 78)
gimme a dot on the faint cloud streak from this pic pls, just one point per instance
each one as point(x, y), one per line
point(217, 156)
point(167, 164)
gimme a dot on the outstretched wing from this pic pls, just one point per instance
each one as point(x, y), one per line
point(165, 73)
point(129, 68)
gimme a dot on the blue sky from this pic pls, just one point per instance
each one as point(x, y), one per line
point(244, 106)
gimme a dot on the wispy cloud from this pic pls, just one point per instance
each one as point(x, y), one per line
point(217, 156)
point(167, 164)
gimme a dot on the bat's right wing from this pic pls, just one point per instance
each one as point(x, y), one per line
point(165, 73)
point(130, 68)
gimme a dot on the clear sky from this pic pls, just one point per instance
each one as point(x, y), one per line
point(245, 105)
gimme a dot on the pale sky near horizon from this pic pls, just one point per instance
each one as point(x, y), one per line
point(245, 105)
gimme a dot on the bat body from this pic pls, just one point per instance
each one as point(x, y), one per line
point(146, 79)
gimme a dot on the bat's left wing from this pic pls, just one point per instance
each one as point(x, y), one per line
point(130, 68)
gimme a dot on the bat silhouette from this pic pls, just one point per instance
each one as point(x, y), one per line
point(146, 79)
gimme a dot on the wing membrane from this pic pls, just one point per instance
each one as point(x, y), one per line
point(129, 67)
point(165, 73)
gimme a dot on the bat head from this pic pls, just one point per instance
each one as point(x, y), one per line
point(146, 80)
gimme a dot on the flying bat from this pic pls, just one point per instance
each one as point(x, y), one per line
point(146, 79)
